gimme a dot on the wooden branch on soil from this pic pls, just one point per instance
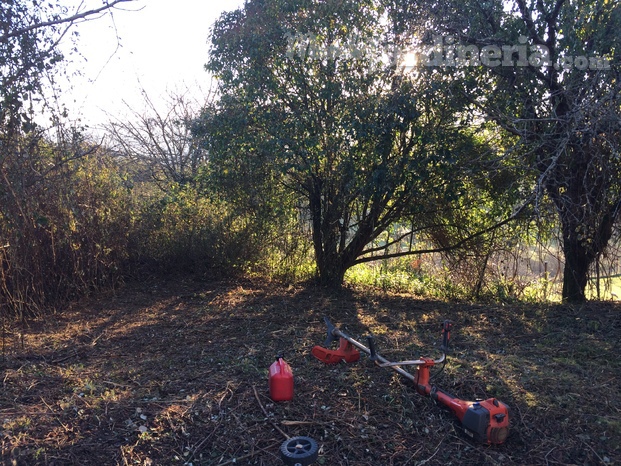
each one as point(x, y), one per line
point(256, 395)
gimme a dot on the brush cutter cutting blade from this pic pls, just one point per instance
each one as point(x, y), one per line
point(331, 336)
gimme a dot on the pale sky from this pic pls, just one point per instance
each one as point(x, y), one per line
point(162, 47)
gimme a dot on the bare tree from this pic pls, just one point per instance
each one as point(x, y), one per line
point(160, 137)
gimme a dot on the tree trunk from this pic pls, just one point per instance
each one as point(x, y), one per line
point(331, 272)
point(329, 260)
point(581, 252)
point(586, 213)
point(575, 272)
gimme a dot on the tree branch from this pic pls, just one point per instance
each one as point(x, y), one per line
point(452, 247)
point(68, 19)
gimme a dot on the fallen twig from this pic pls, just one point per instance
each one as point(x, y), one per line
point(434, 454)
point(249, 455)
point(114, 384)
point(65, 358)
point(200, 445)
point(297, 423)
point(256, 395)
point(594, 452)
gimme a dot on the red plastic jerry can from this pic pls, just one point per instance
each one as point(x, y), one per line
point(281, 381)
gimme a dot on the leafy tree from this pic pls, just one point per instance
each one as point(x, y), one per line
point(312, 99)
point(548, 73)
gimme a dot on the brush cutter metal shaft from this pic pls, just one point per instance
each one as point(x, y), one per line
point(379, 360)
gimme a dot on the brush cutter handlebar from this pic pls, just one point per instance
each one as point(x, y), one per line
point(347, 350)
point(333, 356)
point(446, 335)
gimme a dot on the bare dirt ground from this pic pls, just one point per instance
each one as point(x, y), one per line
point(176, 373)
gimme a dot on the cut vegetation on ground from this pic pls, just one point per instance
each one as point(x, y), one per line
point(176, 373)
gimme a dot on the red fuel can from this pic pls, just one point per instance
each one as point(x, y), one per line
point(281, 381)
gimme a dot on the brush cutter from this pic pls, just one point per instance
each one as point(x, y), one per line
point(485, 421)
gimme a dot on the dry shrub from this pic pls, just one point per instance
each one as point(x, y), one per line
point(64, 223)
point(186, 230)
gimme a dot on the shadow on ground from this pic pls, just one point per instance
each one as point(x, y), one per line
point(176, 373)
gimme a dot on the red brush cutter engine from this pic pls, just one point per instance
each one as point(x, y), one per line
point(485, 421)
